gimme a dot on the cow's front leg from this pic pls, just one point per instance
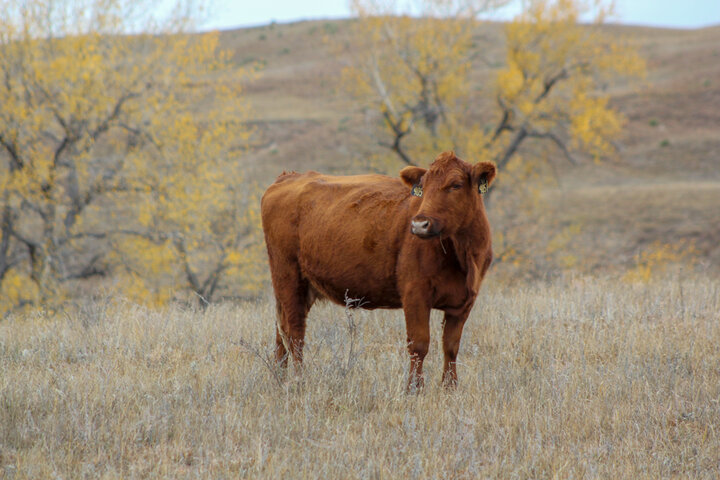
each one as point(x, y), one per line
point(452, 331)
point(417, 322)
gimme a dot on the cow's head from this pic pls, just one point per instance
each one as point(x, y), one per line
point(451, 193)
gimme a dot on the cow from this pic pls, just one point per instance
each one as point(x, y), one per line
point(417, 242)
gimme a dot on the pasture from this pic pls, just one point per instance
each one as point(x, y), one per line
point(587, 355)
point(583, 378)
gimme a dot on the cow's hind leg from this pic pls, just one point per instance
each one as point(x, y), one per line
point(281, 352)
point(293, 300)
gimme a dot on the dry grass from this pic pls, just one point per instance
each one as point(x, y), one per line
point(589, 378)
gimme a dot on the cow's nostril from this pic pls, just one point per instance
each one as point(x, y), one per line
point(420, 227)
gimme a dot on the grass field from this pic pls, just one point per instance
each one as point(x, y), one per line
point(581, 376)
point(584, 378)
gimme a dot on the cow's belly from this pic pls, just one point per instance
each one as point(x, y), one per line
point(345, 270)
point(349, 241)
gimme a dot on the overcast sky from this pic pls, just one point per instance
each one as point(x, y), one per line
point(662, 13)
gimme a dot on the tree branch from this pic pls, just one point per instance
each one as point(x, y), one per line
point(28, 242)
point(211, 282)
point(399, 134)
point(550, 83)
point(11, 148)
point(90, 270)
point(505, 157)
point(103, 235)
point(105, 124)
point(557, 142)
point(189, 274)
point(504, 122)
point(5, 232)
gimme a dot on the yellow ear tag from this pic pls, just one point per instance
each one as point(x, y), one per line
point(483, 186)
point(417, 191)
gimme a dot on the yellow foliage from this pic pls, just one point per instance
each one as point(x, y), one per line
point(138, 289)
point(554, 69)
point(655, 261)
point(198, 209)
point(561, 240)
point(16, 290)
point(100, 142)
point(413, 71)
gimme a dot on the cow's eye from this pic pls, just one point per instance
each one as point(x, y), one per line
point(456, 186)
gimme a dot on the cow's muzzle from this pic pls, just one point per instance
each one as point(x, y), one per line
point(425, 227)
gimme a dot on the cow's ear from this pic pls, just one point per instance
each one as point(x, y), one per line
point(483, 174)
point(412, 175)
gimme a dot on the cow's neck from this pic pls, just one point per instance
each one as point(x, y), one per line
point(471, 242)
point(471, 246)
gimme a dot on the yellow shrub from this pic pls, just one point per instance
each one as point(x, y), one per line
point(17, 289)
point(658, 258)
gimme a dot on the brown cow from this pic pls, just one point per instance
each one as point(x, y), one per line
point(418, 242)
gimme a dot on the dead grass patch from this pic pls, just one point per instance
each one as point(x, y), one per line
point(585, 378)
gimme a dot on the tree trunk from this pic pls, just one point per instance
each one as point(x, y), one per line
point(5, 232)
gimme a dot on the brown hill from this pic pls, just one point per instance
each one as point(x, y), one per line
point(663, 187)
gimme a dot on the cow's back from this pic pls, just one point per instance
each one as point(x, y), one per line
point(344, 233)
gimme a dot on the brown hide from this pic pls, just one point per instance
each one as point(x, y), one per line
point(367, 236)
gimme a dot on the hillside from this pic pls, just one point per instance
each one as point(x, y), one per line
point(663, 186)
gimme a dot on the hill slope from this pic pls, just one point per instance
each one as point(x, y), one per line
point(663, 187)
